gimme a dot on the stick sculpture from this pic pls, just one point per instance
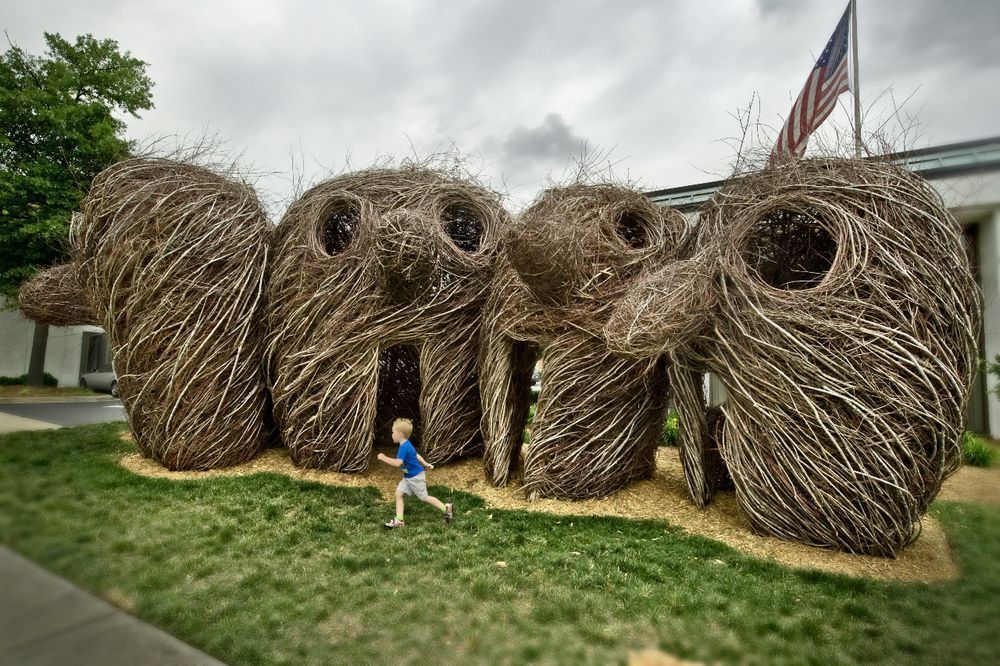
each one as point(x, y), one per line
point(170, 260)
point(569, 258)
point(832, 297)
point(834, 300)
point(376, 290)
point(55, 297)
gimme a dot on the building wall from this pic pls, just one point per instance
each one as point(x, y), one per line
point(15, 350)
point(989, 270)
point(974, 199)
point(62, 354)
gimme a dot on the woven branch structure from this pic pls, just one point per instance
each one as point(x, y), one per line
point(833, 299)
point(375, 295)
point(835, 302)
point(174, 258)
point(567, 260)
point(56, 297)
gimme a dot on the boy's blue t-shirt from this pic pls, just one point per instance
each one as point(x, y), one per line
point(411, 466)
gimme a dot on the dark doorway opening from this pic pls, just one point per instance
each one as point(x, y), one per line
point(398, 393)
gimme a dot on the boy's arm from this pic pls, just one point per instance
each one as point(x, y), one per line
point(395, 462)
point(424, 462)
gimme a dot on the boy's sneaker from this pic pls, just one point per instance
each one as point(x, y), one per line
point(395, 523)
point(449, 513)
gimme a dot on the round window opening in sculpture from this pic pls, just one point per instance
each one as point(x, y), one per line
point(339, 227)
point(790, 249)
point(631, 228)
point(463, 226)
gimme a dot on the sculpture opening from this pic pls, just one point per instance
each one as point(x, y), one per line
point(398, 392)
point(790, 249)
point(339, 227)
point(463, 226)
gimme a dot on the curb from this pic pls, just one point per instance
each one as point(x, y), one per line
point(27, 400)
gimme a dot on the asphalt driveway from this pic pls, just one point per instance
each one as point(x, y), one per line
point(41, 415)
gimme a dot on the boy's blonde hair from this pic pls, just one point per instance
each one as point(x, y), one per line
point(405, 426)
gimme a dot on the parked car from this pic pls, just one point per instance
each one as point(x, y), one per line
point(102, 380)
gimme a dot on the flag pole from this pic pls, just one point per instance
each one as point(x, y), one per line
point(857, 85)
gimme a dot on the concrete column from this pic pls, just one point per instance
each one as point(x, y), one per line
point(989, 270)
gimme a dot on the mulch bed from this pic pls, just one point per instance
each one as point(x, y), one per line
point(664, 497)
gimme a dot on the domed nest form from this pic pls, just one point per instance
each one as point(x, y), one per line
point(174, 258)
point(376, 294)
point(568, 259)
point(841, 315)
point(55, 297)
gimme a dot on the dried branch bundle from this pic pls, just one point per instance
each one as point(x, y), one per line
point(55, 297)
point(568, 259)
point(376, 294)
point(174, 258)
point(838, 308)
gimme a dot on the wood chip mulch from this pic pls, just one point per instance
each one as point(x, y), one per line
point(663, 497)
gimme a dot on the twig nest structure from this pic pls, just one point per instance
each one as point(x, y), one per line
point(375, 309)
point(174, 258)
point(55, 297)
point(568, 259)
point(840, 312)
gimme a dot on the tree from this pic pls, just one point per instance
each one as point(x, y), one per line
point(57, 131)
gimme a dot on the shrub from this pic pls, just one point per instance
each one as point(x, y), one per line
point(527, 426)
point(994, 369)
point(47, 380)
point(976, 452)
point(670, 435)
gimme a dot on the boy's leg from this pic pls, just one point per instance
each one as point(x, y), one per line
point(398, 520)
point(435, 502)
point(441, 506)
point(399, 505)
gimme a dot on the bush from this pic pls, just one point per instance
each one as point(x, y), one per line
point(527, 426)
point(47, 380)
point(670, 436)
point(976, 452)
point(994, 369)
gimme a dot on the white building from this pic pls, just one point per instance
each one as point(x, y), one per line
point(71, 350)
point(967, 176)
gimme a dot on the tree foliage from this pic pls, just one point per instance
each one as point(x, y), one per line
point(58, 129)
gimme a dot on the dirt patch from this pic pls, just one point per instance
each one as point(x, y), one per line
point(663, 497)
point(119, 599)
point(657, 658)
point(973, 484)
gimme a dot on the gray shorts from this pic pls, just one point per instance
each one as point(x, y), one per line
point(415, 485)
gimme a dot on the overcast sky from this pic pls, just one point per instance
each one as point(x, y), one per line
point(521, 86)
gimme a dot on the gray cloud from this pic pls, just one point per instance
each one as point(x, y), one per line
point(654, 81)
point(927, 33)
point(553, 140)
point(782, 8)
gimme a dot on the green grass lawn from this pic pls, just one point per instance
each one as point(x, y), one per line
point(267, 569)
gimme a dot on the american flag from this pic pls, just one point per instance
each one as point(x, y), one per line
point(827, 80)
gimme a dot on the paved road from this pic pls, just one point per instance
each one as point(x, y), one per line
point(60, 414)
point(46, 620)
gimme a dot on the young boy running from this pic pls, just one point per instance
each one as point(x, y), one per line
point(414, 480)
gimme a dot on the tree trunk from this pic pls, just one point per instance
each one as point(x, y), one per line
point(36, 367)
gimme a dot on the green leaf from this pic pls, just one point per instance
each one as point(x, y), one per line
point(58, 129)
